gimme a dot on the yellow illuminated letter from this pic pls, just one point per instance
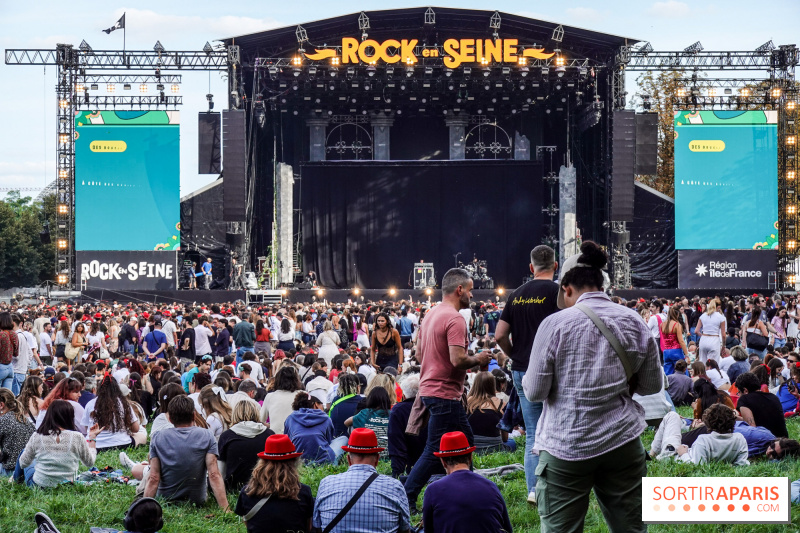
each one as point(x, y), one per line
point(452, 58)
point(349, 50)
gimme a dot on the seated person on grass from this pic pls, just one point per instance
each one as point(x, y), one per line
point(722, 444)
point(759, 408)
point(180, 458)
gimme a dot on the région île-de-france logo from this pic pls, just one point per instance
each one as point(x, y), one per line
point(723, 269)
point(456, 51)
point(701, 270)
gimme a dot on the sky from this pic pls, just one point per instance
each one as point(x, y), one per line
point(27, 93)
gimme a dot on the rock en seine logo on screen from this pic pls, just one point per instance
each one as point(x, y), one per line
point(716, 500)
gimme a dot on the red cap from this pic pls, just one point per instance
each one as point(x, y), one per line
point(452, 444)
point(279, 448)
point(98, 315)
point(363, 440)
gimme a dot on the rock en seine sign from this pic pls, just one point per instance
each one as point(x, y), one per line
point(455, 51)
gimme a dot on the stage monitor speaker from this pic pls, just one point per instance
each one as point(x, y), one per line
point(623, 146)
point(234, 239)
point(233, 151)
point(646, 144)
point(44, 236)
point(209, 158)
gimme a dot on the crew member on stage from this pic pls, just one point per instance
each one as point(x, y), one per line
point(312, 278)
point(207, 273)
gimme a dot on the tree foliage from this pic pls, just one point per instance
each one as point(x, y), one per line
point(24, 260)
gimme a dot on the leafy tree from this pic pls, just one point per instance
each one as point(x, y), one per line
point(24, 260)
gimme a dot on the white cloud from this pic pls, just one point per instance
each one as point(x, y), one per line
point(669, 9)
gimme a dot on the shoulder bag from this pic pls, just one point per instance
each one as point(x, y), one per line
point(755, 340)
point(350, 504)
point(72, 352)
point(612, 339)
point(256, 508)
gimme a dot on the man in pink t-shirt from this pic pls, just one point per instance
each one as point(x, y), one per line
point(442, 351)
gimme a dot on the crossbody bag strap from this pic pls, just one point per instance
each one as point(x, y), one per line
point(351, 503)
point(623, 357)
point(256, 508)
point(337, 402)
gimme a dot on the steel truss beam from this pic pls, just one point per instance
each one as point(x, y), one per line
point(130, 78)
point(645, 61)
point(118, 60)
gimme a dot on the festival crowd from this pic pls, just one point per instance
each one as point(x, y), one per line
point(234, 399)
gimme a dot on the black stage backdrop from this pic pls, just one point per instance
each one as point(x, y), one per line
point(366, 223)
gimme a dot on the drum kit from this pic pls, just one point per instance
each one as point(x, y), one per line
point(479, 273)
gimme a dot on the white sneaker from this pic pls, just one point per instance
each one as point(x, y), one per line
point(532, 497)
point(126, 461)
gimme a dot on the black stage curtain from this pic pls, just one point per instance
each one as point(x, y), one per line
point(366, 223)
point(654, 261)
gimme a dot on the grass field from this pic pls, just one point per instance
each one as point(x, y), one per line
point(76, 508)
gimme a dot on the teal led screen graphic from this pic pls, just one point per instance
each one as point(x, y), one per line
point(127, 180)
point(726, 180)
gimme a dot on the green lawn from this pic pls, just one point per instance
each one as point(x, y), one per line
point(75, 508)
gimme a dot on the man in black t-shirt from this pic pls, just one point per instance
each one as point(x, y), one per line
point(525, 309)
point(759, 408)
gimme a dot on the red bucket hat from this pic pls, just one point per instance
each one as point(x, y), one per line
point(98, 315)
point(279, 448)
point(452, 444)
point(363, 440)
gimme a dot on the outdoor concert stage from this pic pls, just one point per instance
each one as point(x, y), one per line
point(197, 297)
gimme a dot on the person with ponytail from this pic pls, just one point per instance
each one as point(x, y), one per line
point(15, 430)
point(672, 340)
point(604, 450)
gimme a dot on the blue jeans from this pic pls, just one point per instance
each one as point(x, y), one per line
point(336, 446)
point(796, 491)
point(531, 411)
point(446, 416)
point(779, 343)
point(24, 474)
point(6, 376)
point(16, 385)
point(240, 352)
point(692, 336)
point(760, 353)
point(670, 358)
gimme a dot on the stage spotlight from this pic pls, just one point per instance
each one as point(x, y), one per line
point(62, 244)
point(776, 93)
point(791, 105)
point(560, 61)
point(63, 209)
point(63, 279)
point(335, 61)
point(80, 88)
point(409, 72)
point(143, 88)
point(791, 209)
point(403, 86)
point(560, 71)
point(63, 174)
point(681, 92)
point(356, 291)
point(94, 86)
point(791, 244)
point(448, 72)
point(428, 291)
point(545, 72)
point(487, 86)
point(712, 92)
point(160, 87)
point(63, 104)
point(297, 61)
point(791, 140)
point(127, 86)
point(371, 70)
point(174, 88)
point(522, 86)
point(284, 292)
point(63, 138)
point(392, 292)
point(743, 92)
point(351, 71)
point(501, 291)
point(320, 292)
point(450, 86)
point(791, 174)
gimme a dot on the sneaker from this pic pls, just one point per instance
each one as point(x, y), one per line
point(44, 524)
point(126, 461)
point(532, 497)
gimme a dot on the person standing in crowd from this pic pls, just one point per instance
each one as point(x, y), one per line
point(207, 275)
point(186, 346)
point(9, 345)
point(21, 362)
point(46, 343)
point(442, 352)
point(405, 327)
point(244, 335)
point(202, 339)
point(604, 451)
point(672, 340)
point(711, 330)
point(516, 330)
point(755, 334)
point(386, 344)
point(155, 343)
point(449, 503)
point(657, 316)
point(378, 502)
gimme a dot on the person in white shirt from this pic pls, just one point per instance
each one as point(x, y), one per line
point(46, 342)
point(202, 334)
point(656, 312)
point(721, 444)
point(20, 363)
point(169, 329)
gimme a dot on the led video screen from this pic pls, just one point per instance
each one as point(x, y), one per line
point(127, 180)
point(726, 180)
